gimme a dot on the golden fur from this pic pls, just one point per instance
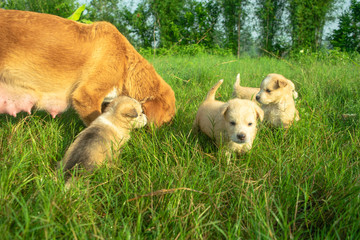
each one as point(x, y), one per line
point(109, 131)
point(244, 92)
point(232, 123)
point(250, 92)
point(276, 97)
point(51, 63)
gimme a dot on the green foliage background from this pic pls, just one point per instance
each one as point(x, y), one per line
point(279, 26)
point(347, 36)
point(63, 8)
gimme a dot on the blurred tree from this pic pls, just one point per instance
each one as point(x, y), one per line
point(167, 18)
point(191, 23)
point(347, 35)
point(63, 8)
point(140, 24)
point(110, 11)
point(234, 16)
point(307, 19)
point(269, 13)
point(199, 23)
point(104, 10)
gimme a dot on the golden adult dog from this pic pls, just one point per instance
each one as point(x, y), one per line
point(232, 123)
point(109, 131)
point(51, 63)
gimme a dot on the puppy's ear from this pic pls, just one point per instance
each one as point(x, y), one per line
point(104, 105)
point(225, 110)
point(130, 112)
point(291, 84)
point(259, 112)
point(281, 83)
point(292, 87)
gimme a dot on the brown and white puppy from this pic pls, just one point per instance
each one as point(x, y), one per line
point(51, 63)
point(232, 123)
point(244, 92)
point(276, 97)
point(108, 132)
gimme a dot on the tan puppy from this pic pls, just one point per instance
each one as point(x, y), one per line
point(109, 131)
point(276, 97)
point(250, 92)
point(244, 92)
point(232, 123)
point(52, 63)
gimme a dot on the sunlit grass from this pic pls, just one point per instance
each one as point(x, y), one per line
point(171, 184)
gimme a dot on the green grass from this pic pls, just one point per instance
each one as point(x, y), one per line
point(299, 184)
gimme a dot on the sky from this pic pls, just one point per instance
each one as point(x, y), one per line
point(341, 7)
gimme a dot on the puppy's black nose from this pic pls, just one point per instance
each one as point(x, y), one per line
point(257, 97)
point(241, 136)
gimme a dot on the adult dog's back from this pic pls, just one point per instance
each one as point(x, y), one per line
point(52, 63)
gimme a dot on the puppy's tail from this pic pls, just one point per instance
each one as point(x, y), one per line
point(211, 93)
point(236, 87)
point(237, 82)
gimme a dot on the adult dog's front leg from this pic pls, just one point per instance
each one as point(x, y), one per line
point(87, 102)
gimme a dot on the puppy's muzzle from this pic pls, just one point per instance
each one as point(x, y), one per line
point(240, 138)
point(258, 99)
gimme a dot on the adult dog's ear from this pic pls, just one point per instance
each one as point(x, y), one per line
point(259, 112)
point(146, 99)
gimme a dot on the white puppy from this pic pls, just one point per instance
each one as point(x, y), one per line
point(250, 92)
point(276, 97)
point(232, 123)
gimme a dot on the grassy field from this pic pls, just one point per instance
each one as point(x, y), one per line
point(172, 184)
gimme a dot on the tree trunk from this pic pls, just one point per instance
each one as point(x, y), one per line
point(238, 33)
point(154, 39)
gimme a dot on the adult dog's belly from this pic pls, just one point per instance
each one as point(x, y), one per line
point(18, 99)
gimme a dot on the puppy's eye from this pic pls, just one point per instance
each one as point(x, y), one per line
point(232, 123)
point(250, 124)
point(268, 90)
